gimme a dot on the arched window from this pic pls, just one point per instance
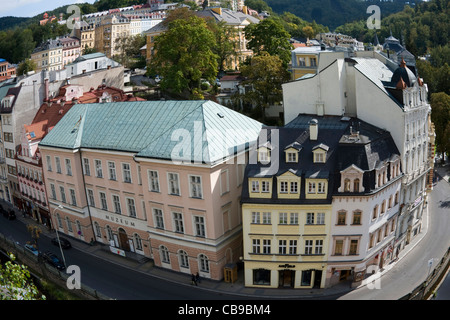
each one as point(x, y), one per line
point(164, 252)
point(375, 212)
point(356, 185)
point(347, 185)
point(58, 217)
point(203, 263)
point(183, 259)
point(109, 233)
point(137, 242)
point(98, 230)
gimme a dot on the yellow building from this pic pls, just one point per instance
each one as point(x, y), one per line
point(48, 55)
point(109, 31)
point(86, 33)
point(287, 206)
point(304, 60)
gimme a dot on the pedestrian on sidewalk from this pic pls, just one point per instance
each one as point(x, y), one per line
point(197, 278)
point(193, 279)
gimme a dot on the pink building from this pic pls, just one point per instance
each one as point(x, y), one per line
point(71, 49)
point(157, 179)
point(33, 192)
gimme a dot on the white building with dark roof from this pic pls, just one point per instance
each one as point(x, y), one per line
point(381, 92)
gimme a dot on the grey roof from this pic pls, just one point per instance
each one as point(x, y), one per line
point(203, 130)
point(49, 44)
point(371, 147)
point(230, 17)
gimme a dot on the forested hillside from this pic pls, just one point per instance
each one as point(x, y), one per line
point(333, 13)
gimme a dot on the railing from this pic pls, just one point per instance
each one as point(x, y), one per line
point(425, 290)
point(30, 260)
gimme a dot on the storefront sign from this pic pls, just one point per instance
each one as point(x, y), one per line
point(118, 251)
point(120, 220)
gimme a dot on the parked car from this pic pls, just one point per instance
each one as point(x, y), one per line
point(53, 260)
point(32, 249)
point(65, 244)
point(9, 214)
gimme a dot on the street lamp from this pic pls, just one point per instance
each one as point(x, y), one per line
point(57, 236)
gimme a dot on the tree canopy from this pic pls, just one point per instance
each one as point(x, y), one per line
point(184, 56)
point(269, 36)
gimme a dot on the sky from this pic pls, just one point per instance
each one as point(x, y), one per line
point(31, 8)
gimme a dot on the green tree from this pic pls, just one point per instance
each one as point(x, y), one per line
point(440, 115)
point(184, 56)
point(264, 75)
point(16, 283)
point(269, 36)
point(226, 42)
point(26, 66)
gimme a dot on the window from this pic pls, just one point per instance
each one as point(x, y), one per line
point(91, 200)
point(98, 231)
point(301, 62)
point(313, 62)
point(58, 164)
point(341, 218)
point(174, 187)
point(356, 185)
point(68, 167)
point(319, 157)
point(158, 216)
point(282, 245)
point(131, 207)
point(116, 203)
point(375, 212)
point(138, 242)
point(291, 157)
point(69, 224)
point(266, 218)
point(357, 217)
point(263, 156)
point(255, 186)
point(80, 230)
point(321, 187)
point(164, 254)
point(292, 246)
point(265, 186)
point(184, 259)
point(58, 217)
point(224, 182)
point(204, 263)
point(261, 277)
point(308, 246)
point(347, 185)
point(126, 172)
point(103, 200)
point(353, 247)
point(86, 167)
point(49, 163)
point(283, 218)
point(73, 197)
point(112, 170)
point(256, 217)
point(256, 246)
point(311, 187)
point(178, 222)
point(319, 246)
point(293, 218)
point(310, 218)
point(320, 218)
point(283, 186)
point(266, 246)
point(199, 223)
point(153, 181)
point(294, 187)
point(338, 246)
point(53, 190)
point(196, 186)
point(63, 194)
point(98, 168)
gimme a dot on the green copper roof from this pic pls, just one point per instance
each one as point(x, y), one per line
point(201, 131)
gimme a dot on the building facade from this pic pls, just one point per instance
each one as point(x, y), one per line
point(145, 189)
point(369, 86)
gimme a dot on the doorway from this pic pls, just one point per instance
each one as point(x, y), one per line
point(344, 275)
point(317, 278)
point(123, 239)
point(286, 278)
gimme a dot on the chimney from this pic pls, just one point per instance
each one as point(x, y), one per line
point(313, 129)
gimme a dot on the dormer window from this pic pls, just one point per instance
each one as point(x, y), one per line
point(351, 179)
point(320, 153)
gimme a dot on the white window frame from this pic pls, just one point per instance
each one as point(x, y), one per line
point(68, 164)
point(158, 218)
point(195, 187)
point(112, 174)
point(178, 224)
point(86, 167)
point(98, 168)
point(172, 188)
point(116, 204)
point(200, 226)
point(153, 180)
point(126, 173)
point(131, 207)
